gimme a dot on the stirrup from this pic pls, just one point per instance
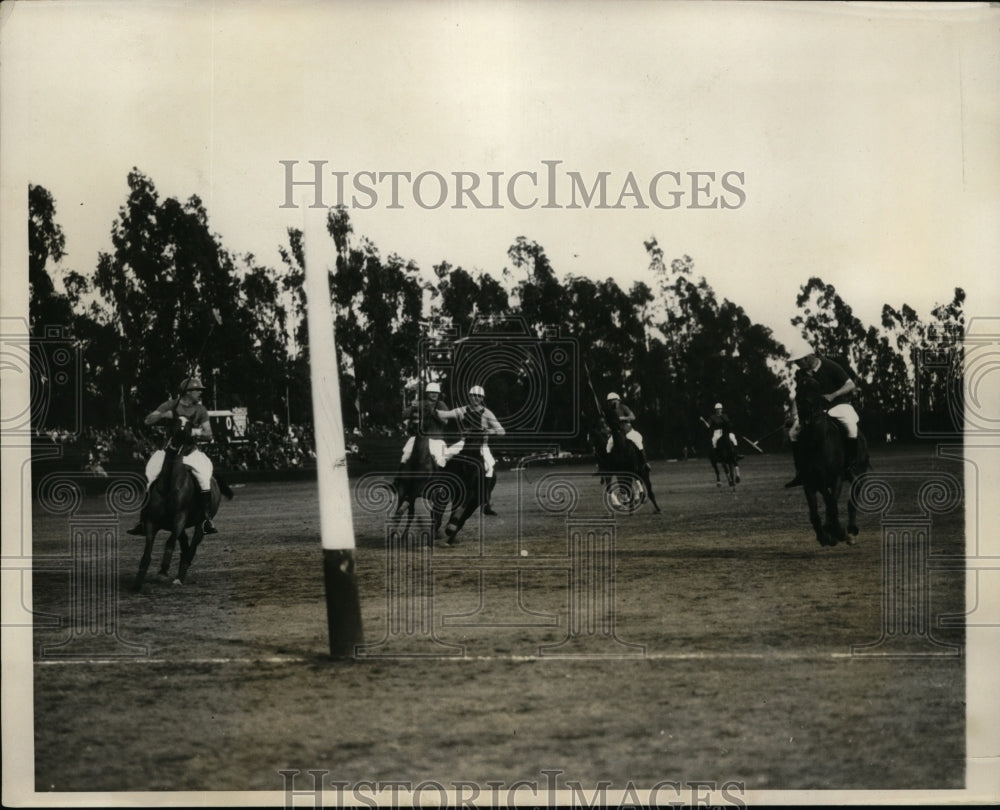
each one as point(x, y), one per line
point(137, 531)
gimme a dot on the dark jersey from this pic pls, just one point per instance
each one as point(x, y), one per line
point(195, 412)
point(617, 413)
point(719, 421)
point(424, 417)
point(830, 376)
point(472, 426)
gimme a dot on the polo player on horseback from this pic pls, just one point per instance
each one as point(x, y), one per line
point(617, 412)
point(186, 406)
point(428, 418)
point(720, 425)
point(479, 423)
point(836, 387)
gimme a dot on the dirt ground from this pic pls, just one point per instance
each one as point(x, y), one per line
point(712, 642)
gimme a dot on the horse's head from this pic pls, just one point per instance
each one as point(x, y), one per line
point(809, 400)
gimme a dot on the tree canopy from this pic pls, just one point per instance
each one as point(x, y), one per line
point(170, 299)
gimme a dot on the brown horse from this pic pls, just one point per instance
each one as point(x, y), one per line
point(173, 504)
point(822, 467)
point(419, 477)
point(626, 482)
point(724, 459)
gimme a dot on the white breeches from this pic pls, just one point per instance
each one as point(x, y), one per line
point(435, 446)
point(633, 436)
point(717, 434)
point(843, 413)
point(196, 461)
point(488, 461)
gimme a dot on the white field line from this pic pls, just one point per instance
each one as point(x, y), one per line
point(694, 656)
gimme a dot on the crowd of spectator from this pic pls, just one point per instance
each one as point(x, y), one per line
point(264, 447)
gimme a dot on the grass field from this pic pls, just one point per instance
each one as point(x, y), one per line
point(711, 642)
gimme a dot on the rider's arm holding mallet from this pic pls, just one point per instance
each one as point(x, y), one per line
point(492, 424)
point(204, 430)
point(161, 413)
point(454, 413)
point(846, 388)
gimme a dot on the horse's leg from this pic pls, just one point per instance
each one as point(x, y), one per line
point(814, 517)
point(462, 510)
point(410, 511)
point(649, 492)
point(168, 553)
point(852, 516)
point(460, 514)
point(147, 555)
point(832, 498)
point(403, 499)
point(437, 518)
point(185, 548)
point(187, 552)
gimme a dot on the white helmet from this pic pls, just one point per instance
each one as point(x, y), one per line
point(718, 406)
point(432, 388)
point(477, 390)
point(799, 349)
point(612, 397)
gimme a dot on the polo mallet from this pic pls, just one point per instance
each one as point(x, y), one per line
point(216, 319)
point(590, 385)
point(756, 444)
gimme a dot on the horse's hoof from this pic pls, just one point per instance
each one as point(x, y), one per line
point(177, 582)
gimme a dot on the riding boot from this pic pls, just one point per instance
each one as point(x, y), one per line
point(206, 504)
point(490, 483)
point(643, 464)
point(851, 456)
point(797, 480)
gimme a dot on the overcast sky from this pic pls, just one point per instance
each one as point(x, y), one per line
point(865, 136)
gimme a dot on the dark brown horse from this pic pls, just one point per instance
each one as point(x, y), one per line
point(464, 479)
point(419, 478)
point(622, 474)
point(724, 460)
point(173, 505)
point(822, 468)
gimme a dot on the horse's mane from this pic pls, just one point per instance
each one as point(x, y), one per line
point(808, 397)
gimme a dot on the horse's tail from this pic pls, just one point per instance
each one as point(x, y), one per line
point(224, 487)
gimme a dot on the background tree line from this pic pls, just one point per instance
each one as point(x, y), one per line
point(169, 299)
